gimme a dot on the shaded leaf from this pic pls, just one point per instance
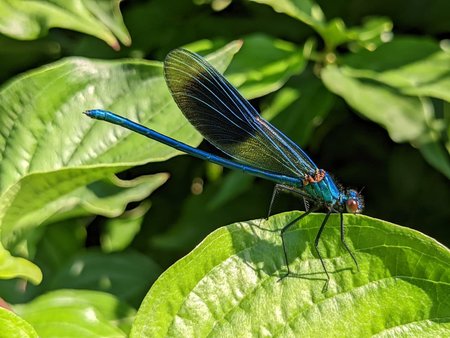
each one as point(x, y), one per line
point(299, 107)
point(234, 184)
point(230, 283)
point(334, 32)
point(437, 155)
point(127, 275)
point(118, 233)
point(50, 247)
point(263, 65)
point(371, 34)
point(201, 214)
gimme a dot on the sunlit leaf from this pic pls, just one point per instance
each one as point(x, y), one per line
point(394, 86)
point(304, 10)
point(414, 66)
point(14, 326)
point(28, 19)
point(230, 283)
point(11, 267)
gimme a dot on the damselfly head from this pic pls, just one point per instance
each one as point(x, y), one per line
point(354, 202)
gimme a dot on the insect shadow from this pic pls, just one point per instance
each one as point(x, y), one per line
point(260, 249)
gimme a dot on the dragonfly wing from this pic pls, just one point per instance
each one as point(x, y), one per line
point(227, 120)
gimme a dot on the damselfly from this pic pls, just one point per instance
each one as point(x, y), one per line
point(250, 143)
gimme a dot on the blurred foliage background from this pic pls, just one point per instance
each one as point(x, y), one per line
point(365, 92)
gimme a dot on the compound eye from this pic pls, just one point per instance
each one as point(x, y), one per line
point(352, 206)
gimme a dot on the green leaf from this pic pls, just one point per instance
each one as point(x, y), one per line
point(218, 53)
point(11, 267)
point(203, 213)
point(14, 327)
point(437, 155)
point(394, 87)
point(299, 107)
point(217, 5)
point(263, 65)
point(77, 313)
point(50, 247)
point(230, 283)
point(58, 242)
point(334, 32)
point(48, 148)
point(303, 10)
point(119, 232)
point(110, 196)
point(403, 116)
point(371, 34)
point(127, 275)
point(28, 20)
point(414, 66)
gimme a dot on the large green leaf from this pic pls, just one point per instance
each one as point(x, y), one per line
point(230, 283)
point(403, 116)
point(394, 86)
point(77, 313)
point(15, 327)
point(28, 19)
point(48, 148)
point(415, 66)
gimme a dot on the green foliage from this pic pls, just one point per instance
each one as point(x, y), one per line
point(14, 326)
point(28, 20)
point(230, 284)
point(91, 214)
point(394, 86)
point(86, 313)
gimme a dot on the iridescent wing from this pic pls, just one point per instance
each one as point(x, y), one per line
point(227, 120)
